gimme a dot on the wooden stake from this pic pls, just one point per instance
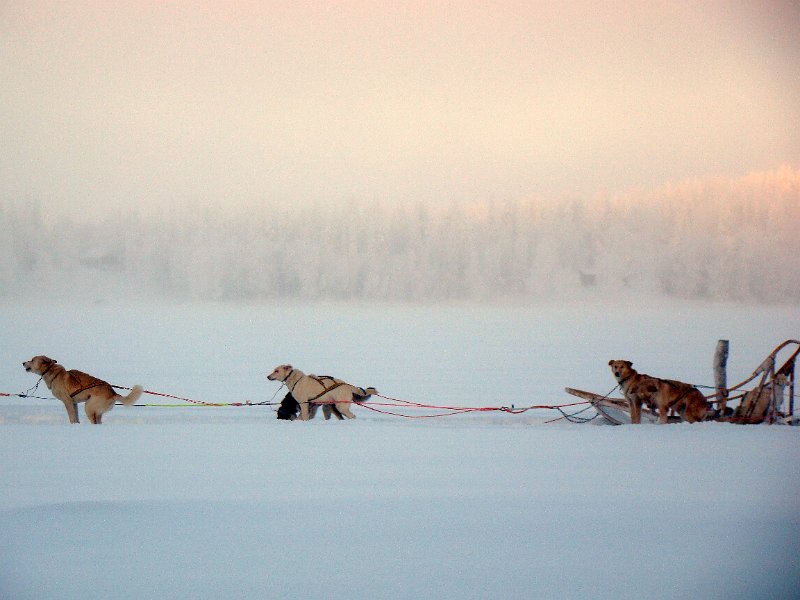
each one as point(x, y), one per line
point(721, 375)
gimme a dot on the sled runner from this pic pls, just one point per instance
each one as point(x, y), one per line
point(613, 411)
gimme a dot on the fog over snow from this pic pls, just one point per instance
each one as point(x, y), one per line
point(712, 239)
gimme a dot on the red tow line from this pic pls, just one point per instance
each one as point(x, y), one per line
point(453, 410)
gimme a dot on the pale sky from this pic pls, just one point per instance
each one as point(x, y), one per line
point(116, 103)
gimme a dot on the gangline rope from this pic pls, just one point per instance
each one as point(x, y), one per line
point(383, 407)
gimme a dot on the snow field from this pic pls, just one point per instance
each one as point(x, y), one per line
point(202, 503)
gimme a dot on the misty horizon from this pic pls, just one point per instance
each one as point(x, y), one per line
point(714, 239)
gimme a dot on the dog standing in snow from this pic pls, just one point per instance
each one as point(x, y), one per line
point(72, 387)
point(661, 394)
point(310, 390)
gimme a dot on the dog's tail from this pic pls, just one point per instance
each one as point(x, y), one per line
point(131, 398)
point(362, 394)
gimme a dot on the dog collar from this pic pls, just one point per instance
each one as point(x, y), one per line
point(47, 369)
point(41, 377)
point(287, 379)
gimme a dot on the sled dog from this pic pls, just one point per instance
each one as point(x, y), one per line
point(289, 408)
point(662, 395)
point(73, 386)
point(312, 390)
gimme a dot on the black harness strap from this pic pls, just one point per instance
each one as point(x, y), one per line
point(52, 364)
point(624, 379)
point(83, 389)
point(679, 398)
point(325, 388)
point(319, 379)
point(667, 381)
point(41, 377)
point(285, 379)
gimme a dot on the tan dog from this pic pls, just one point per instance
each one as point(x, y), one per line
point(659, 394)
point(310, 390)
point(72, 387)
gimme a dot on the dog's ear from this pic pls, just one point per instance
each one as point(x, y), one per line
point(611, 362)
point(629, 363)
point(289, 367)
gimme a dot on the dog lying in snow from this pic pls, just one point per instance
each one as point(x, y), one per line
point(73, 386)
point(289, 409)
point(659, 394)
point(311, 390)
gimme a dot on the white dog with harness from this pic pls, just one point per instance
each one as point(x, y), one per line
point(310, 390)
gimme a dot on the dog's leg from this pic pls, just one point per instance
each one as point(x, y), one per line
point(636, 412)
point(344, 409)
point(72, 410)
point(690, 413)
point(95, 407)
point(304, 411)
point(663, 414)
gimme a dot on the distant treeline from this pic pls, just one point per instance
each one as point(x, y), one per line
point(731, 239)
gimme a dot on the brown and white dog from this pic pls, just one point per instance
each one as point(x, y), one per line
point(662, 395)
point(72, 387)
point(311, 390)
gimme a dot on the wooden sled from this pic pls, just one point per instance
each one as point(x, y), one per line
point(613, 411)
point(765, 402)
point(762, 404)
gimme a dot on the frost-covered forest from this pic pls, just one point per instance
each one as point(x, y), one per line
point(724, 239)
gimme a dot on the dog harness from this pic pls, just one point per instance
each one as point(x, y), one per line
point(285, 379)
point(73, 394)
point(83, 389)
point(325, 388)
point(41, 377)
point(319, 380)
point(679, 398)
point(668, 382)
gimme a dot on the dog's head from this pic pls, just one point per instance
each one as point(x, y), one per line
point(289, 408)
point(38, 364)
point(622, 369)
point(280, 373)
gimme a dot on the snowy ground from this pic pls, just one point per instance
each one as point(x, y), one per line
point(230, 503)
